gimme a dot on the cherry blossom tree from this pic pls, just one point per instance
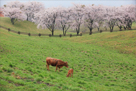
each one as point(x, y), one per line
point(93, 17)
point(14, 14)
point(64, 19)
point(14, 11)
point(15, 4)
point(30, 8)
point(129, 15)
point(89, 17)
point(119, 17)
point(99, 21)
point(125, 16)
point(110, 17)
point(97, 25)
point(119, 24)
point(47, 19)
point(77, 16)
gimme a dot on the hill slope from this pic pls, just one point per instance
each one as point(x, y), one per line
point(122, 41)
point(26, 26)
point(97, 67)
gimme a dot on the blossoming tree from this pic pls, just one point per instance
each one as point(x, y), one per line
point(47, 19)
point(14, 14)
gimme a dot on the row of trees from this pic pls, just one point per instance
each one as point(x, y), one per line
point(91, 16)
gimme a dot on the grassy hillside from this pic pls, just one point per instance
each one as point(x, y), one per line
point(26, 26)
point(122, 41)
point(98, 66)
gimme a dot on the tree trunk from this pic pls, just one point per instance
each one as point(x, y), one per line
point(120, 28)
point(12, 20)
point(90, 30)
point(111, 29)
point(63, 31)
point(27, 17)
point(78, 29)
point(52, 32)
point(77, 32)
point(129, 27)
point(98, 29)
point(124, 27)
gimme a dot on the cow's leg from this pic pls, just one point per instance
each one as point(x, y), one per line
point(60, 67)
point(48, 68)
point(68, 75)
point(72, 75)
point(56, 68)
point(47, 65)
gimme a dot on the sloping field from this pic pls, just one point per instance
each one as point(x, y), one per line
point(122, 41)
point(26, 26)
point(97, 64)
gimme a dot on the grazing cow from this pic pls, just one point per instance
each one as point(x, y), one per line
point(55, 62)
point(70, 72)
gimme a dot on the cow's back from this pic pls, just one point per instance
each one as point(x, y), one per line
point(51, 61)
point(71, 70)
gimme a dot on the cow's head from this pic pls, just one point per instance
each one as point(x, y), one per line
point(66, 64)
point(67, 75)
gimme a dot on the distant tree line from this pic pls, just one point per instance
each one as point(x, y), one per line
point(91, 16)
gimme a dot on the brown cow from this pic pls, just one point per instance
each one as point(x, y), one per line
point(55, 62)
point(70, 72)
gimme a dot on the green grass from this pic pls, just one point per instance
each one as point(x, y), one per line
point(98, 66)
point(26, 26)
point(122, 41)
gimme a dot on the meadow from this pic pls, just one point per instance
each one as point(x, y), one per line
point(101, 62)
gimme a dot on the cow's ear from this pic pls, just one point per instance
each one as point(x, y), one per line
point(66, 62)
